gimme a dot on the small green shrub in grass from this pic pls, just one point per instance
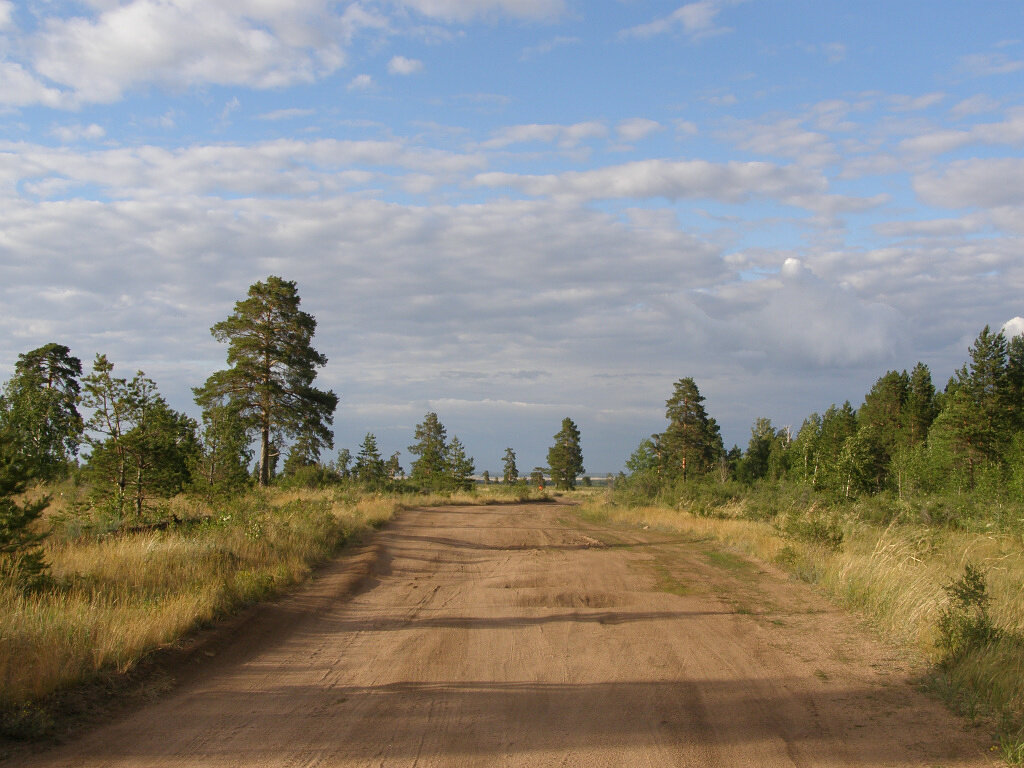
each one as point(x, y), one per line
point(964, 625)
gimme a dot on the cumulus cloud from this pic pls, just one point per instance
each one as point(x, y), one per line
point(361, 82)
point(69, 133)
point(400, 65)
point(637, 128)
point(19, 87)
point(1014, 327)
point(178, 43)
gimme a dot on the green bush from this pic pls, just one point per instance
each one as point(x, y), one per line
point(964, 624)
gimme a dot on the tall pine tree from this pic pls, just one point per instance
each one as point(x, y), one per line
point(272, 368)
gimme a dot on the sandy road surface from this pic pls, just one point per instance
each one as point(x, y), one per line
point(516, 636)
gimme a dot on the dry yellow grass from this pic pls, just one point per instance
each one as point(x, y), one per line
point(118, 597)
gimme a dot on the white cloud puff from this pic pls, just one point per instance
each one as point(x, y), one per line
point(400, 65)
point(361, 82)
point(70, 133)
point(637, 128)
point(1014, 327)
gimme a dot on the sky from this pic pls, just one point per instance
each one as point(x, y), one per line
point(513, 211)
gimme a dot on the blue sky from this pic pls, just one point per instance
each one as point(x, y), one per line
point(511, 211)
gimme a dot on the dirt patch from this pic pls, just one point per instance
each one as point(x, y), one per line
point(521, 638)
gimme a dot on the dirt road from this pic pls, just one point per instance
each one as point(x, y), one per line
point(517, 636)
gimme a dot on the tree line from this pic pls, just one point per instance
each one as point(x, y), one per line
point(907, 438)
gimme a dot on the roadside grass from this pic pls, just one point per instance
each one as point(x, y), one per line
point(896, 576)
point(116, 596)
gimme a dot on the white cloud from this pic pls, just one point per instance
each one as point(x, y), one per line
point(786, 138)
point(983, 183)
point(565, 135)
point(466, 10)
point(1014, 327)
point(6, 13)
point(975, 105)
point(686, 127)
point(901, 103)
point(687, 179)
point(990, 64)
point(695, 19)
point(69, 133)
point(19, 87)
point(286, 114)
point(362, 82)
point(112, 48)
point(637, 128)
point(399, 65)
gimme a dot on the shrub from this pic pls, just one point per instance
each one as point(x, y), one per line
point(964, 624)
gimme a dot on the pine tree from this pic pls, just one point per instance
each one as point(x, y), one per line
point(460, 467)
point(369, 467)
point(510, 472)
point(430, 469)
point(222, 464)
point(692, 444)
point(21, 560)
point(565, 457)
point(976, 422)
point(39, 409)
point(921, 409)
point(272, 368)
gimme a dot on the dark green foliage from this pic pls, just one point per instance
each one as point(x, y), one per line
point(430, 469)
point(272, 365)
point(369, 468)
point(341, 464)
point(510, 472)
point(39, 409)
point(692, 444)
point(221, 466)
point(920, 408)
point(766, 453)
point(644, 459)
point(964, 624)
point(565, 457)
point(140, 446)
point(460, 467)
point(392, 469)
point(21, 560)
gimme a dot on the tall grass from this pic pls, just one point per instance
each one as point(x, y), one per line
point(894, 575)
point(117, 596)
